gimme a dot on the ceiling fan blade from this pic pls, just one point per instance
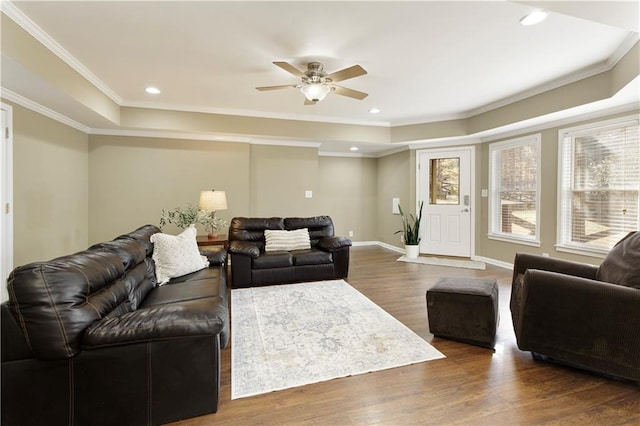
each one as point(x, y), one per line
point(308, 102)
point(351, 72)
point(290, 69)
point(286, 86)
point(349, 92)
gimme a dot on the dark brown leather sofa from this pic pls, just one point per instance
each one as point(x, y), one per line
point(251, 265)
point(581, 315)
point(90, 339)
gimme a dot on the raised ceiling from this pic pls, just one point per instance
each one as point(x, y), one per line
point(427, 61)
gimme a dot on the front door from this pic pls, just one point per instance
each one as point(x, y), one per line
point(444, 184)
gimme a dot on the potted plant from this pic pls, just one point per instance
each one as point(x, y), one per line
point(182, 217)
point(411, 232)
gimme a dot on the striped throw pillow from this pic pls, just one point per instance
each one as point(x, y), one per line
point(276, 240)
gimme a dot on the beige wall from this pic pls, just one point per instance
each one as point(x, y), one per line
point(505, 251)
point(347, 192)
point(280, 175)
point(50, 188)
point(72, 190)
point(394, 179)
point(132, 179)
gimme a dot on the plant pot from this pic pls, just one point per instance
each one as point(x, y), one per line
point(411, 251)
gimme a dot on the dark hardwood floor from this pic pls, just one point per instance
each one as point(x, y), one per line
point(471, 386)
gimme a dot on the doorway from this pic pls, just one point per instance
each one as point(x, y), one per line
point(444, 184)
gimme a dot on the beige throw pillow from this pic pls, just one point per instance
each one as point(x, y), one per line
point(276, 240)
point(176, 255)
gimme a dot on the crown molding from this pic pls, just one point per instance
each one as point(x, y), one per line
point(253, 113)
point(603, 66)
point(16, 15)
point(47, 112)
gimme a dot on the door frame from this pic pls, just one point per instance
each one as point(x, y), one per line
point(6, 200)
point(471, 149)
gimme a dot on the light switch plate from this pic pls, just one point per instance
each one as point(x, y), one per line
point(395, 202)
point(308, 194)
point(485, 193)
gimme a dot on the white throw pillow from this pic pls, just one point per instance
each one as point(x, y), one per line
point(297, 239)
point(177, 255)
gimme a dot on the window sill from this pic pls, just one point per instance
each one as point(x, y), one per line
point(531, 243)
point(582, 251)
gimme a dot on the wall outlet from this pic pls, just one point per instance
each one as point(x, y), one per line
point(351, 233)
point(485, 192)
point(545, 254)
point(308, 194)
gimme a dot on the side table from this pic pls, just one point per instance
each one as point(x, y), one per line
point(220, 240)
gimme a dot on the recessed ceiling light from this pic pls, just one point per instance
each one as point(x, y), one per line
point(534, 17)
point(152, 90)
point(374, 110)
point(354, 148)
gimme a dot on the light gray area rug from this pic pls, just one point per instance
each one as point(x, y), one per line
point(295, 334)
point(439, 261)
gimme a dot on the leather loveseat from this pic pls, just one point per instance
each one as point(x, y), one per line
point(91, 339)
point(252, 264)
point(581, 315)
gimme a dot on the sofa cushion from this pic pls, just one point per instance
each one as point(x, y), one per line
point(200, 317)
point(273, 259)
point(319, 226)
point(276, 240)
point(622, 264)
point(311, 257)
point(177, 255)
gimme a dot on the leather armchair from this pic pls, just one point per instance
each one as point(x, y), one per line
point(581, 315)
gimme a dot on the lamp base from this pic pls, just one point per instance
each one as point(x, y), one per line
point(212, 236)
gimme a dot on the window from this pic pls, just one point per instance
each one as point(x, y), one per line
point(444, 181)
point(599, 179)
point(514, 169)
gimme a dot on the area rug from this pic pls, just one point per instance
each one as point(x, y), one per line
point(440, 261)
point(296, 334)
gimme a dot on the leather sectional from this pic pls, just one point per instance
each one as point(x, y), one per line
point(90, 339)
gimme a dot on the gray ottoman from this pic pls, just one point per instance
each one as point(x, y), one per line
point(464, 309)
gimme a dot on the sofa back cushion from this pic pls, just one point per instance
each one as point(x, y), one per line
point(622, 264)
point(251, 229)
point(318, 226)
point(55, 301)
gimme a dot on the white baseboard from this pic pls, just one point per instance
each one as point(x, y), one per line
point(488, 260)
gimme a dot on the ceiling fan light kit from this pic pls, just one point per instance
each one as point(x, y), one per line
point(315, 92)
point(316, 84)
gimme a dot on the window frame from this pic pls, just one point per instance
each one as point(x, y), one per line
point(565, 143)
point(494, 232)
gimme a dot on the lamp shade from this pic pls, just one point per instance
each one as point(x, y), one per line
point(213, 200)
point(315, 91)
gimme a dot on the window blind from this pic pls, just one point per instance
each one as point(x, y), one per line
point(599, 171)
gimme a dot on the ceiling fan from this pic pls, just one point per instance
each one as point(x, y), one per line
point(315, 83)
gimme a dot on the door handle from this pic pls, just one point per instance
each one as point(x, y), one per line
point(464, 210)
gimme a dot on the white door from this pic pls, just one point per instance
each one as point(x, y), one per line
point(6, 200)
point(444, 184)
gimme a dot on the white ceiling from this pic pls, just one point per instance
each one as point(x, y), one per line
point(426, 61)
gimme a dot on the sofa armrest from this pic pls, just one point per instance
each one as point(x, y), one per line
point(201, 317)
point(524, 261)
point(580, 320)
point(215, 254)
point(244, 248)
point(333, 243)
